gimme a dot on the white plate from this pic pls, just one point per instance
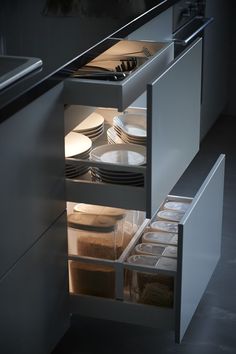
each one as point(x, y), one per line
point(139, 179)
point(76, 144)
point(90, 131)
point(130, 183)
point(128, 139)
point(93, 121)
point(121, 154)
point(133, 124)
point(119, 174)
point(96, 134)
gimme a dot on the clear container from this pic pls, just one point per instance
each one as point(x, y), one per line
point(166, 226)
point(149, 288)
point(170, 215)
point(176, 206)
point(149, 249)
point(160, 237)
point(95, 236)
point(92, 279)
point(127, 221)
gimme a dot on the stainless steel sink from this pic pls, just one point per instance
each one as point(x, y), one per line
point(13, 67)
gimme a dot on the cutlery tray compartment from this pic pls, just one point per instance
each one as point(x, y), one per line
point(147, 59)
point(166, 292)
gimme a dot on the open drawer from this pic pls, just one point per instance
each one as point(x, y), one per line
point(173, 125)
point(151, 59)
point(198, 251)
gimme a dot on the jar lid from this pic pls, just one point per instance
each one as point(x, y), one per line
point(149, 249)
point(168, 226)
point(159, 237)
point(171, 215)
point(92, 222)
point(100, 210)
point(177, 206)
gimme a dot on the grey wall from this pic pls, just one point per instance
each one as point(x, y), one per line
point(231, 109)
point(216, 63)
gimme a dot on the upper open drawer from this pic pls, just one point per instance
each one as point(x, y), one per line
point(172, 140)
point(140, 61)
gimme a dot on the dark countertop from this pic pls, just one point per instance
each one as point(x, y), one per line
point(59, 32)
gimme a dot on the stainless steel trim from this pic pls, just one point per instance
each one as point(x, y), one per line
point(204, 22)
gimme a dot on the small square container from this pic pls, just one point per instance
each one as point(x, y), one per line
point(151, 249)
point(170, 215)
point(92, 279)
point(160, 237)
point(147, 287)
point(181, 207)
point(166, 226)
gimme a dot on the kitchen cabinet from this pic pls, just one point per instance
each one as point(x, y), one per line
point(37, 198)
point(173, 132)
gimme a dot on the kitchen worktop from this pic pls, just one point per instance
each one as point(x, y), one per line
point(59, 32)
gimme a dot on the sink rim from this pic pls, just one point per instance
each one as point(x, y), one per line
point(19, 71)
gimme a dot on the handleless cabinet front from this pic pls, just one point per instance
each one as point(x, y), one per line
point(173, 124)
point(32, 175)
point(34, 296)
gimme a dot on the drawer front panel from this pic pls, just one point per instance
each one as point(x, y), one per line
point(173, 123)
point(34, 296)
point(118, 196)
point(120, 94)
point(150, 316)
point(199, 245)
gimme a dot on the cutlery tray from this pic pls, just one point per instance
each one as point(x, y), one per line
point(151, 58)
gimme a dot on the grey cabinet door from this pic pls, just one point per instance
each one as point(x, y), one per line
point(32, 174)
point(34, 296)
point(173, 124)
point(199, 245)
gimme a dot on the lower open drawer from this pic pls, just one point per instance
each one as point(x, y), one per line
point(198, 251)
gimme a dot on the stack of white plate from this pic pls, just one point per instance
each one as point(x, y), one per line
point(92, 126)
point(112, 137)
point(77, 146)
point(122, 154)
point(131, 128)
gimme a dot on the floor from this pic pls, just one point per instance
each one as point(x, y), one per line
point(213, 328)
